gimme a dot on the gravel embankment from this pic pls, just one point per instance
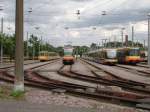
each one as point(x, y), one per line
point(46, 97)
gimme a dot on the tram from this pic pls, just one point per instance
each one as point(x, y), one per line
point(144, 55)
point(68, 58)
point(128, 55)
point(46, 56)
point(103, 56)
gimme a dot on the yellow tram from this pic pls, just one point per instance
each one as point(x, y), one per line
point(46, 56)
point(128, 55)
point(103, 56)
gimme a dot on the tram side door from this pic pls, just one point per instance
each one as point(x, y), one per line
point(121, 56)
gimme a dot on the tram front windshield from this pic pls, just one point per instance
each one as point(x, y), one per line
point(68, 52)
point(111, 54)
point(134, 52)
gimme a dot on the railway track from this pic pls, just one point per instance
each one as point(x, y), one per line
point(97, 79)
point(143, 71)
point(12, 66)
point(34, 79)
point(115, 76)
point(142, 65)
point(111, 94)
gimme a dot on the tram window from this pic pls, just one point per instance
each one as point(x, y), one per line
point(120, 54)
point(41, 54)
point(134, 52)
point(111, 54)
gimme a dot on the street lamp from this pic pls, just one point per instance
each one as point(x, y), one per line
point(148, 39)
point(27, 52)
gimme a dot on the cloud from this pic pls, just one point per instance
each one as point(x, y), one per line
point(52, 16)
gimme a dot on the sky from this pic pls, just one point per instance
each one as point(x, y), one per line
point(57, 22)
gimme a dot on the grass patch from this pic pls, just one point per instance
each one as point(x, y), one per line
point(17, 94)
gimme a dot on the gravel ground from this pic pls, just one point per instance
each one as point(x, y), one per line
point(78, 67)
point(36, 100)
point(123, 73)
point(46, 97)
point(51, 67)
point(56, 76)
point(12, 63)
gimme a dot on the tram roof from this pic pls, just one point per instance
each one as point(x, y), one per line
point(124, 48)
point(46, 52)
point(104, 49)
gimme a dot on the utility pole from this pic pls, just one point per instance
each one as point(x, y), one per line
point(33, 52)
point(39, 45)
point(144, 44)
point(110, 43)
point(115, 42)
point(2, 25)
point(137, 43)
point(132, 36)
point(149, 39)
point(27, 45)
point(122, 35)
point(104, 43)
point(19, 48)
point(40, 42)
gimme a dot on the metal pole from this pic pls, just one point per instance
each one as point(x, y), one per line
point(102, 44)
point(105, 43)
point(144, 45)
point(122, 36)
point(137, 43)
point(19, 48)
point(132, 36)
point(149, 39)
point(109, 43)
point(33, 52)
point(27, 45)
point(2, 26)
point(39, 45)
point(40, 41)
point(115, 42)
